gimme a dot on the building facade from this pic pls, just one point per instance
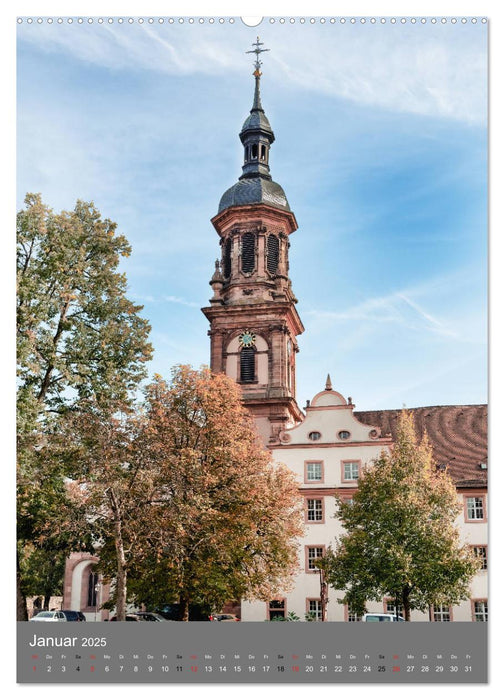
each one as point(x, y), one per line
point(254, 325)
point(253, 328)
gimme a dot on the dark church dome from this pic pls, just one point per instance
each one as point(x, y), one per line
point(254, 190)
point(256, 120)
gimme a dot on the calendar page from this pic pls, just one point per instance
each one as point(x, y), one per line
point(252, 347)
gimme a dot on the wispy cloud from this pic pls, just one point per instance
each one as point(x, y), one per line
point(402, 308)
point(417, 69)
point(435, 324)
point(151, 299)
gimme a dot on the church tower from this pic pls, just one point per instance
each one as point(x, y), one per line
point(252, 313)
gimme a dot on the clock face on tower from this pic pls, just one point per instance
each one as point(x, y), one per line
point(246, 339)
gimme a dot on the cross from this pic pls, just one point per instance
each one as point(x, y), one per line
point(257, 51)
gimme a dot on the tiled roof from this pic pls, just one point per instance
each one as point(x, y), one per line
point(254, 190)
point(458, 435)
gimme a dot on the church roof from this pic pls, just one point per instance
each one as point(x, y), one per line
point(257, 121)
point(255, 185)
point(254, 190)
point(458, 435)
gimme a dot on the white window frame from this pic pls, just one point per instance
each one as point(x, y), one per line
point(318, 465)
point(481, 615)
point(317, 612)
point(311, 559)
point(441, 613)
point(475, 511)
point(481, 552)
point(314, 510)
point(353, 466)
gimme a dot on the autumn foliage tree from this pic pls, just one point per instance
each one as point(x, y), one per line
point(111, 485)
point(79, 339)
point(224, 521)
point(401, 541)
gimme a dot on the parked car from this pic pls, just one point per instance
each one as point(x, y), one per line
point(49, 616)
point(224, 617)
point(74, 615)
point(130, 617)
point(173, 612)
point(150, 617)
point(382, 617)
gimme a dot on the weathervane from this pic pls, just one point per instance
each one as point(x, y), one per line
point(257, 51)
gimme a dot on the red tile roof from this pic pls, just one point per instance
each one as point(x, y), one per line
point(458, 435)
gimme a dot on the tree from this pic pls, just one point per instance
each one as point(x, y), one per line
point(401, 540)
point(79, 339)
point(111, 486)
point(42, 572)
point(225, 520)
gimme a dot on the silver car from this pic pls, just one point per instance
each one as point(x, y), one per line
point(49, 616)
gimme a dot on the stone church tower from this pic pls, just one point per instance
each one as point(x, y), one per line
point(252, 313)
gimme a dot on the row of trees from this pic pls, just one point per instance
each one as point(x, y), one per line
point(175, 492)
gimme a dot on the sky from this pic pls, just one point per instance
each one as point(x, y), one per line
point(381, 148)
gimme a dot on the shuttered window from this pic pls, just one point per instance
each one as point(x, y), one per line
point(247, 364)
point(273, 249)
point(227, 258)
point(248, 252)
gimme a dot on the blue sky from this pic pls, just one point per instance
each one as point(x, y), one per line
point(381, 150)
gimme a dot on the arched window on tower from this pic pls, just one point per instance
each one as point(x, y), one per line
point(247, 364)
point(254, 150)
point(263, 152)
point(248, 253)
point(227, 258)
point(273, 252)
point(92, 589)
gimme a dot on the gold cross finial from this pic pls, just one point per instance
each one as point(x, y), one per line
point(257, 51)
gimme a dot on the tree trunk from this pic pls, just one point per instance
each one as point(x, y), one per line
point(47, 376)
point(22, 610)
point(406, 603)
point(121, 561)
point(47, 601)
point(121, 574)
point(184, 608)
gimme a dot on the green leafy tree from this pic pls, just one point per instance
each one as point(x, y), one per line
point(225, 521)
point(79, 339)
point(401, 541)
point(42, 572)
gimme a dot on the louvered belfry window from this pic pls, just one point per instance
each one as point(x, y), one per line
point(227, 258)
point(273, 250)
point(247, 364)
point(248, 252)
